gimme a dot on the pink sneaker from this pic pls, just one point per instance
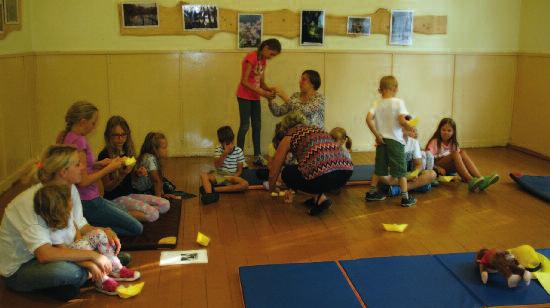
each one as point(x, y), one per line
point(126, 274)
point(107, 287)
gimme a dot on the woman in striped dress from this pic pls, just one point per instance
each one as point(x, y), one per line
point(322, 164)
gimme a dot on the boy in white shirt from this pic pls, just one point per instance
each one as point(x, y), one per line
point(386, 121)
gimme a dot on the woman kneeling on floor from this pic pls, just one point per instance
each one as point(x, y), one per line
point(322, 164)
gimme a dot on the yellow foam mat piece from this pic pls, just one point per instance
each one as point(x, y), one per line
point(544, 280)
point(395, 227)
point(129, 291)
point(413, 174)
point(168, 240)
point(413, 122)
point(446, 178)
point(129, 161)
point(203, 239)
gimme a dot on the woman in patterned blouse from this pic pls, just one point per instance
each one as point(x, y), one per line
point(322, 164)
point(308, 101)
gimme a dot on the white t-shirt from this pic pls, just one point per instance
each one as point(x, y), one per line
point(412, 149)
point(22, 231)
point(144, 183)
point(386, 117)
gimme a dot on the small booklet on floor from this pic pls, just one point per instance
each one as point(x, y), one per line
point(183, 257)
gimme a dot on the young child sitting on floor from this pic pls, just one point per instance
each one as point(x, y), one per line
point(228, 160)
point(53, 204)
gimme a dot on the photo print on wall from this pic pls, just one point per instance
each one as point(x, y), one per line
point(401, 27)
point(312, 27)
point(250, 30)
point(200, 17)
point(359, 25)
point(140, 15)
point(11, 11)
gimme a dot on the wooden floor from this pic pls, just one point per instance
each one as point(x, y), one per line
point(254, 228)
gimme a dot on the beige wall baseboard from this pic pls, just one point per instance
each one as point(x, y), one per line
point(527, 151)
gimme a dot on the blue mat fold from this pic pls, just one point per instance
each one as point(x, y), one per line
point(536, 185)
point(296, 285)
point(362, 173)
point(408, 281)
point(496, 292)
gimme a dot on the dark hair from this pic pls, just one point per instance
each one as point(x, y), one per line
point(437, 134)
point(128, 147)
point(151, 145)
point(314, 78)
point(225, 135)
point(272, 44)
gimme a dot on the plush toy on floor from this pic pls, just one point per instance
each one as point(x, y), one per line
point(503, 262)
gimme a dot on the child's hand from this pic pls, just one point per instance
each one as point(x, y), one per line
point(97, 274)
point(114, 164)
point(141, 171)
point(440, 170)
point(379, 140)
point(127, 169)
point(104, 162)
point(103, 263)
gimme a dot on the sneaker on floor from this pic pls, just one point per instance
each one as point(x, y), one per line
point(488, 181)
point(423, 189)
point(318, 209)
point(408, 202)
point(375, 196)
point(107, 287)
point(474, 183)
point(125, 274)
point(310, 202)
point(259, 161)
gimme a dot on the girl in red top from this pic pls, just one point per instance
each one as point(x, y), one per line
point(251, 87)
point(450, 158)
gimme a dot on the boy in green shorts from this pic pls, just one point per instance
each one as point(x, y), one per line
point(386, 121)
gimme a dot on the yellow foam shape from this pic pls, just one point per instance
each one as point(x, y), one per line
point(282, 193)
point(445, 178)
point(168, 240)
point(129, 291)
point(395, 227)
point(544, 280)
point(129, 161)
point(203, 239)
point(413, 174)
point(274, 194)
point(413, 122)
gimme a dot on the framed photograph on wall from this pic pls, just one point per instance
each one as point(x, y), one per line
point(200, 17)
point(140, 15)
point(250, 30)
point(11, 12)
point(1, 16)
point(359, 25)
point(312, 27)
point(401, 27)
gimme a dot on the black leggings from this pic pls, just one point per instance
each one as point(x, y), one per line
point(250, 110)
point(327, 182)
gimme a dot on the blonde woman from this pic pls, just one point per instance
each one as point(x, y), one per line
point(28, 260)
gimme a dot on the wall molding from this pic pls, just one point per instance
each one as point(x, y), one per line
point(527, 151)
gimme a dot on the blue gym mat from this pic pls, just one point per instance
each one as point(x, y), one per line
point(408, 281)
point(496, 292)
point(536, 185)
point(296, 285)
point(362, 173)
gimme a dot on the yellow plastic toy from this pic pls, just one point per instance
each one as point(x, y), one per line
point(413, 122)
point(395, 227)
point(274, 194)
point(413, 174)
point(171, 240)
point(129, 161)
point(446, 178)
point(203, 239)
point(129, 291)
point(282, 193)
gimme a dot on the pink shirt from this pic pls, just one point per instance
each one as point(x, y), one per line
point(253, 78)
point(91, 191)
point(442, 151)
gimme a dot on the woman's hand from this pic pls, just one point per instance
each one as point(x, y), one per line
point(103, 263)
point(97, 274)
point(114, 241)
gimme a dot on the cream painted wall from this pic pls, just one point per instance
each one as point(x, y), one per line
point(535, 23)
point(75, 25)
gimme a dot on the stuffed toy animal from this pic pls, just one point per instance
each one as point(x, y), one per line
point(503, 262)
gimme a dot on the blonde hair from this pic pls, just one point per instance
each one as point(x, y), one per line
point(78, 111)
point(291, 120)
point(51, 202)
point(339, 134)
point(55, 158)
point(388, 83)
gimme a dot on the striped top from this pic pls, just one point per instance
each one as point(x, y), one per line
point(317, 152)
point(231, 161)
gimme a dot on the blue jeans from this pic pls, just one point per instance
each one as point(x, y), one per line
point(33, 276)
point(101, 212)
